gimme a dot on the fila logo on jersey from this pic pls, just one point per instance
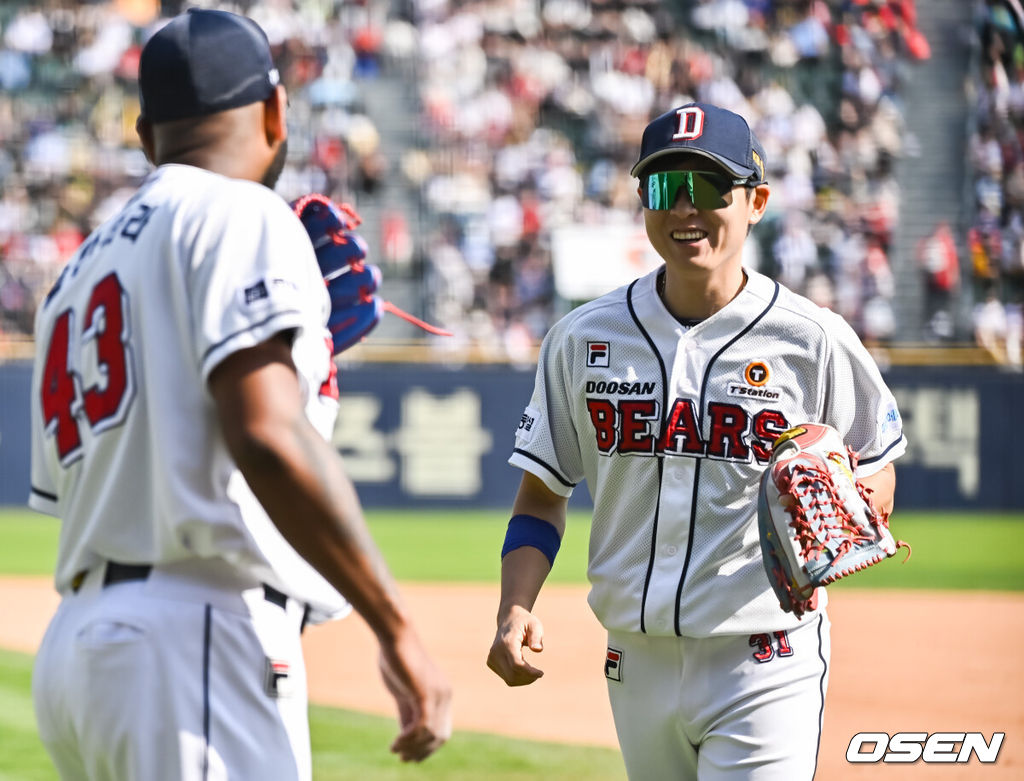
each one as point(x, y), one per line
point(277, 680)
point(597, 354)
point(613, 664)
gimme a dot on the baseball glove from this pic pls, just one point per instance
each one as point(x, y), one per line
point(351, 281)
point(816, 521)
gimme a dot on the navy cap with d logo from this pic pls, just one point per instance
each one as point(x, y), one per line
point(203, 62)
point(708, 131)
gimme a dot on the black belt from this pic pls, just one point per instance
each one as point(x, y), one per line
point(121, 573)
point(116, 572)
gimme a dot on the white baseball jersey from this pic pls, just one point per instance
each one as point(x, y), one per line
point(126, 446)
point(672, 426)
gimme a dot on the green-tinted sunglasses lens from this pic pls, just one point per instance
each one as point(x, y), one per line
point(705, 190)
point(709, 190)
point(661, 189)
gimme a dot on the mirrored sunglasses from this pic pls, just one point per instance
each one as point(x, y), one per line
point(705, 189)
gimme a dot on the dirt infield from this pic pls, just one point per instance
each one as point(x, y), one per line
point(901, 661)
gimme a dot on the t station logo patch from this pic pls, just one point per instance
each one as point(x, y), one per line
point(755, 377)
point(756, 374)
point(597, 354)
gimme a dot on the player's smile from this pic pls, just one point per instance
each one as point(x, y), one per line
point(689, 236)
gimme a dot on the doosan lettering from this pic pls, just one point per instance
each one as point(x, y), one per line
point(624, 388)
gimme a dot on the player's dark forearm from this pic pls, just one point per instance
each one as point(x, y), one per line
point(301, 484)
point(299, 479)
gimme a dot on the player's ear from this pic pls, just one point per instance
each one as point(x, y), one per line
point(758, 203)
point(275, 124)
point(145, 132)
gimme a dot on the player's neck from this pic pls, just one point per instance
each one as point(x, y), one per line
point(224, 165)
point(230, 143)
point(691, 299)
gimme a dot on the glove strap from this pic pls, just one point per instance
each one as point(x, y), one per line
point(432, 329)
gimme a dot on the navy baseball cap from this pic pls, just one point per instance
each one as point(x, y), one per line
point(709, 131)
point(202, 62)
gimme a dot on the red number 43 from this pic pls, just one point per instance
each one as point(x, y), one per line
point(65, 403)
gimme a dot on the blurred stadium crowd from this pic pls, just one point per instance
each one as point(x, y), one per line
point(525, 116)
point(995, 240)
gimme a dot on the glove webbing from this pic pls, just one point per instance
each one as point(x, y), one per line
point(807, 481)
point(337, 235)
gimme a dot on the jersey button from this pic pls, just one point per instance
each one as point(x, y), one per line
point(671, 550)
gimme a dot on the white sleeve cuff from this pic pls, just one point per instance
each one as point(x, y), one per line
point(555, 482)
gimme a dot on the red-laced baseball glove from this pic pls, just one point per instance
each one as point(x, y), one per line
point(352, 282)
point(816, 521)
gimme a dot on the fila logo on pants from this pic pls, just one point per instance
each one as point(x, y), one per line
point(277, 680)
point(613, 664)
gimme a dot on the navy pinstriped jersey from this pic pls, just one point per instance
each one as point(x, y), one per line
point(671, 427)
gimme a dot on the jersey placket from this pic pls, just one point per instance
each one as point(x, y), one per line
point(679, 481)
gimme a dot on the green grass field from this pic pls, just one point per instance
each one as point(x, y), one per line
point(951, 551)
point(347, 746)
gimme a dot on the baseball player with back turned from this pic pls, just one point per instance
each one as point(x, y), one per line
point(182, 392)
point(666, 396)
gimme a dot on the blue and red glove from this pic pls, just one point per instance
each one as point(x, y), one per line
point(351, 282)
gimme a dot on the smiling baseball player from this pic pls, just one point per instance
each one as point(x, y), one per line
point(666, 396)
point(182, 371)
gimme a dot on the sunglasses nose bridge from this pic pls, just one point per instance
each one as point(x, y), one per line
point(683, 201)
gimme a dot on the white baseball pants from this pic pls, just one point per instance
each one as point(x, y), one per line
point(180, 676)
point(730, 708)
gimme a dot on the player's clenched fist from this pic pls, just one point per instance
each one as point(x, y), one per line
point(422, 694)
point(518, 629)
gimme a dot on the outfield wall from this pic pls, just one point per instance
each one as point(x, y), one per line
point(433, 436)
